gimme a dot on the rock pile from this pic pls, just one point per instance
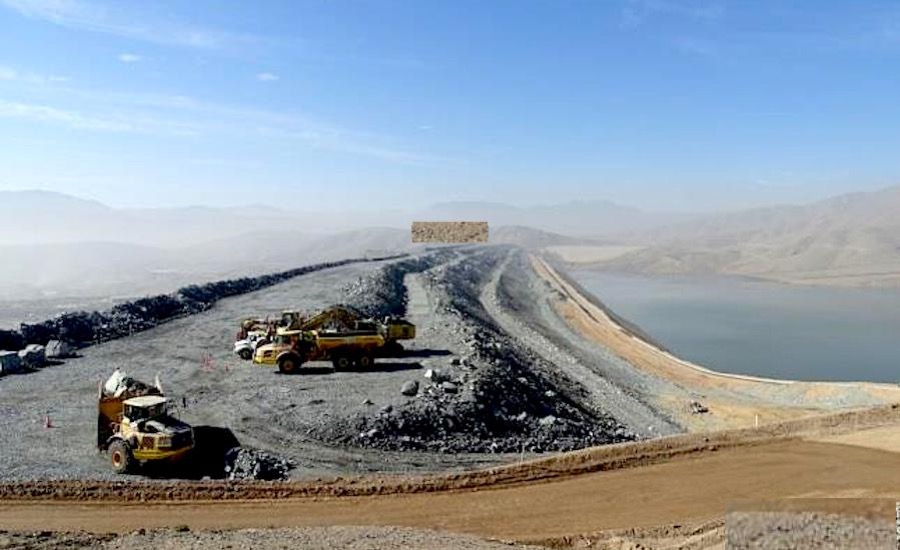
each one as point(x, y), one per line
point(33, 356)
point(382, 293)
point(491, 399)
point(242, 463)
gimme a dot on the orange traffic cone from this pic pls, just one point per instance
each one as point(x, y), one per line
point(47, 423)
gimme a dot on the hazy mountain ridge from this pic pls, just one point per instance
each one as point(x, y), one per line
point(574, 218)
point(850, 239)
point(531, 238)
point(24, 219)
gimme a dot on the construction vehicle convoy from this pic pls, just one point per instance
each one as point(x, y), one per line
point(134, 424)
point(337, 334)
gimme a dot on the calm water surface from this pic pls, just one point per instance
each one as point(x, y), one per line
point(752, 327)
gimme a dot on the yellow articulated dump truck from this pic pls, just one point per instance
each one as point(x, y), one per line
point(357, 345)
point(135, 427)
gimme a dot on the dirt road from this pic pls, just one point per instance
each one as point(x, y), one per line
point(682, 490)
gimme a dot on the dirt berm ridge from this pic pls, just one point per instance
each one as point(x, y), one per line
point(564, 465)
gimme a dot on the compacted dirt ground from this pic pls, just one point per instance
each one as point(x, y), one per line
point(520, 364)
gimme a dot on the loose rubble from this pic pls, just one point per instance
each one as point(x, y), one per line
point(382, 293)
point(183, 538)
point(33, 356)
point(491, 400)
point(812, 530)
point(243, 463)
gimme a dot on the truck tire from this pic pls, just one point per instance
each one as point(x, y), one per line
point(246, 354)
point(120, 457)
point(289, 364)
point(365, 361)
point(342, 362)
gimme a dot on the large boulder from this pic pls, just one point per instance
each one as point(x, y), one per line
point(410, 388)
point(10, 362)
point(33, 356)
point(58, 349)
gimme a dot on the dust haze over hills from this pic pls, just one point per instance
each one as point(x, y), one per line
point(57, 246)
point(852, 239)
point(64, 218)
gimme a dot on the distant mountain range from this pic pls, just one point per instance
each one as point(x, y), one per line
point(590, 219)
point(851, 239)
point(54, 245)
point(57, 245)
point(31, 217)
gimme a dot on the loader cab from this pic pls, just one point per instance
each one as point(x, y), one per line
point(290, 319)
point(399, 329)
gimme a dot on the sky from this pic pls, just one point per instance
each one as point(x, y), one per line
point(689, 105)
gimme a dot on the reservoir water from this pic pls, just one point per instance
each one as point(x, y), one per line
point(766, 329)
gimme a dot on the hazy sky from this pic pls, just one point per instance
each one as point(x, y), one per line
point(661, 103)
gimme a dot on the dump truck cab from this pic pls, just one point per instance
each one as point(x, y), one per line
point(285, 339)
point(140, 430)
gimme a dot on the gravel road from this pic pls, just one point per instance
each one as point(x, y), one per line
point(807, 530)
point(348, 538)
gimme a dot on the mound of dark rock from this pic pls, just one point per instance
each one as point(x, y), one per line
point(382, 293)
point(243, 463)
point(503, 404)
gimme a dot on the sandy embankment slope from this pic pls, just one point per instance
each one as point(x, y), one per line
point(734, 400)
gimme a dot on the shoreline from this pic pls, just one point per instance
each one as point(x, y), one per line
point(738, 400)
point(642, 338)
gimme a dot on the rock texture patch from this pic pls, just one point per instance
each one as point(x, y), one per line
point(450, 232)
